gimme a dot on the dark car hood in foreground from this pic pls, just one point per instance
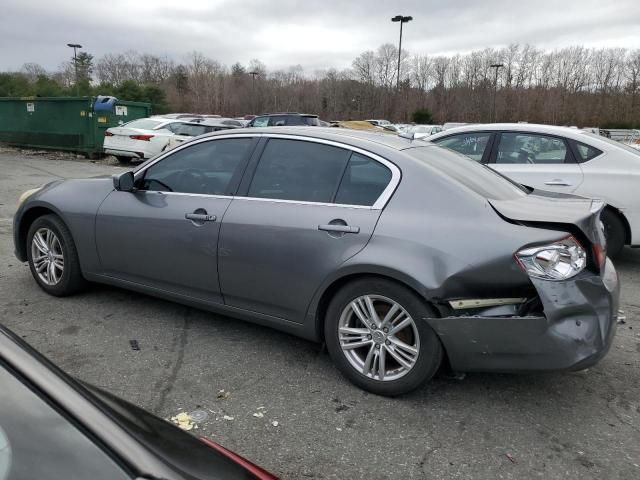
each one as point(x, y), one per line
point(149, 446)
point(542, 207)
point(180, 450)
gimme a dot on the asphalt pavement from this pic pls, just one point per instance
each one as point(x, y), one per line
point(485, 426)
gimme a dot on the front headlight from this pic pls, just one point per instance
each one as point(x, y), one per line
point(27, 194)
point(559, 261)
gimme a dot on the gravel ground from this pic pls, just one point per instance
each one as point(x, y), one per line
point(486, 426)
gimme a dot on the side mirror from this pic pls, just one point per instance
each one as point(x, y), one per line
point(124, 181)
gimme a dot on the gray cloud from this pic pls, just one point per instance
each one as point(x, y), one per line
point(314, 34)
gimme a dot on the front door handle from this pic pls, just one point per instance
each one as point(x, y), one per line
point(558, 182)
point(200, 217)
point(339, 228)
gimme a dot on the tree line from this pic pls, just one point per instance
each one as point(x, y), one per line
point(570, 86)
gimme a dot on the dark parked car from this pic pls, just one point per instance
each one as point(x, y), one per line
point(54, 427)
point(290, 119)
point(396, 253)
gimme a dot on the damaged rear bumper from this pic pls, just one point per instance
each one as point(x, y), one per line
point(576, 331)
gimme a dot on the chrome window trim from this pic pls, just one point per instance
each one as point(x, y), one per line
point(379, 204)
point(184, 194)
point(301, 202)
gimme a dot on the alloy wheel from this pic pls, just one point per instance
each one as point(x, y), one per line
point(378, 337)
point(47, 256)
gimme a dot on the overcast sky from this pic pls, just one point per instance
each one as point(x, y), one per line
point(315, 34)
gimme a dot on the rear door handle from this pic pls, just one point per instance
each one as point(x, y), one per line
point(200, 217)
point(558, 182)
point(339, 228)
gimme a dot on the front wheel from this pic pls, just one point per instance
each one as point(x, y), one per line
point(52, 257)
point(377, 336)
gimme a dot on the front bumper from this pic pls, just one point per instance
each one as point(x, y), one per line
point(576, 331)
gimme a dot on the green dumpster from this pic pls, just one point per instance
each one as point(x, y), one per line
point(74, 124)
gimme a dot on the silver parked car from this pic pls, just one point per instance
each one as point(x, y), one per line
point(396, 253)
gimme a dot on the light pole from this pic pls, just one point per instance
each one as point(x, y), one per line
point(253, 90)
point(497, 66)
point(75, 61)
point(401, 19)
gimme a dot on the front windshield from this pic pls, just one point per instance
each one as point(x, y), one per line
point(481, 179)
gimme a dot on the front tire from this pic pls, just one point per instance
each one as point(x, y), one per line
point(377, 336)
point(614, 232)
point(53, 258)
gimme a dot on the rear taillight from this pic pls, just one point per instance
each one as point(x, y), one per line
point(146, 138)
point(557, 261)
point(108, 134)
point(258, 472)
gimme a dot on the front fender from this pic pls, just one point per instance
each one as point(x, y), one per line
point(76, 202)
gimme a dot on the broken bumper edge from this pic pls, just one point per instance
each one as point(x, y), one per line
point(576, 331)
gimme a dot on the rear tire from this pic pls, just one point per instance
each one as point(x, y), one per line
point(53, 258)
point(407, 355)
point(123, 160)
point(614, 232)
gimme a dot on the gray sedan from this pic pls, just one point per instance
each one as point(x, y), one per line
point(401, 256)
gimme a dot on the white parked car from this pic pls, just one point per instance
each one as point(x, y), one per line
point(379, 123)
point(561, 159)
point(140, 139)
point(421, 131)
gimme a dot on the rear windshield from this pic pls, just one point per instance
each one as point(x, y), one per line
point(191, 130)
point(312, 121)
point(144, 124)
point(484, 181)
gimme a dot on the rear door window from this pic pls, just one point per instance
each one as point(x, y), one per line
point(522, 148)
point(363, 181)
point(472, 145)
point(299, 170)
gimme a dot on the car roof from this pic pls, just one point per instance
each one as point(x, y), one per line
point(343, 135)
point(574, 133)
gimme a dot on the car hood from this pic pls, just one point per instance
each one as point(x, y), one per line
point(542, 207)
